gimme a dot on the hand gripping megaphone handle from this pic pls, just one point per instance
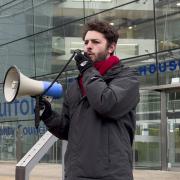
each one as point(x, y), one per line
point(39, 109)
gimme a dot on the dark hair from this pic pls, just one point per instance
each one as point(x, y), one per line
point(109, 32)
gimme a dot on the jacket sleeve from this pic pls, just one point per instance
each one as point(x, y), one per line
point(116, 98)
point(58, 124)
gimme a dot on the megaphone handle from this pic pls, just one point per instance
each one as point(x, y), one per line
point(37, 113)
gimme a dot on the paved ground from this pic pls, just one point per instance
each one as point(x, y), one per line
point(54, 172)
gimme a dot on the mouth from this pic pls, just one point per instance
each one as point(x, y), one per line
point(90, 54)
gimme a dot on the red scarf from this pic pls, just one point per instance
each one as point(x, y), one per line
point(102, 67)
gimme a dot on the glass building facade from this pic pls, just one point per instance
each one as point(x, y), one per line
point(38, 36)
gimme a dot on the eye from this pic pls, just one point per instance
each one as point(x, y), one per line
point(86, 42)
point(95, 41)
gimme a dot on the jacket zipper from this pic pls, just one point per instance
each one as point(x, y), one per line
point(109, 160)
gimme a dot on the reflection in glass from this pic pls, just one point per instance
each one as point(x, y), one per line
point(147, 139)
point(173, 129)
point(15, 20)
point(168, 22)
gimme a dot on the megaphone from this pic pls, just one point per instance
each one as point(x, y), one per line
point(17, 84)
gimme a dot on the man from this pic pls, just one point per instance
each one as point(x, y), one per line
point(98, 115)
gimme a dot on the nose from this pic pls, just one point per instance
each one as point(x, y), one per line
point(88, 45)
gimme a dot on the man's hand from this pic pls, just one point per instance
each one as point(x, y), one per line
point(83, 62)
point(45, 108)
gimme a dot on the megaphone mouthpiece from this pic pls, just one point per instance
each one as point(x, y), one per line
point(78, 51)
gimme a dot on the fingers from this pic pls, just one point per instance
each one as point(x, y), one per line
point(79, 57)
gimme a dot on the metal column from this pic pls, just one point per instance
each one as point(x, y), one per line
point(164, 153)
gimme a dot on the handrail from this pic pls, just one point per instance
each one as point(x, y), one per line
point(165, 87)
point(33, 156)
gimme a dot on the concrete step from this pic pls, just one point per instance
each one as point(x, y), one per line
point(54, 172)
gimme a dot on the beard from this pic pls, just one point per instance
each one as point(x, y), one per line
point(100, 56)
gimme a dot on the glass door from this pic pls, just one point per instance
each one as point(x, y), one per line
point(147, 145)
point(173, 130)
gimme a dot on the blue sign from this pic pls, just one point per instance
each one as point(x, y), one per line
point(172, 65)
point(22, 107)
point(25, 130)
point(6, 131)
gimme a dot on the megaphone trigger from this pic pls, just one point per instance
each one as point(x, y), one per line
point(78, 51)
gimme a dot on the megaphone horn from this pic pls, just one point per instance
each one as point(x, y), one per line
point(17, 84)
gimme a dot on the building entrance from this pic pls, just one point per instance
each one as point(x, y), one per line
point(173, 130)
point(169, 124)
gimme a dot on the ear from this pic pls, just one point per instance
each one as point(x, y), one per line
point(111, 48)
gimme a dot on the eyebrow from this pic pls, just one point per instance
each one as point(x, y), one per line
point(92, 39)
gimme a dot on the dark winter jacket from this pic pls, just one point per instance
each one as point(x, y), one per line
point(100, 126)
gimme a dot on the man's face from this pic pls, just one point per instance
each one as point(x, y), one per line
point(96, 46)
